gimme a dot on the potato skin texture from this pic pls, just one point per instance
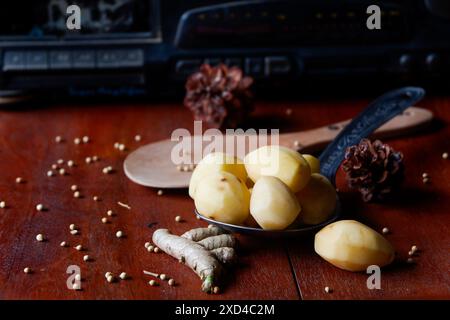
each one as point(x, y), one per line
point(223, 197)
point(216, 162)
point(317, 199)
point(272, 204)
point(281, 162)
point(313, 162)
point(353, 246)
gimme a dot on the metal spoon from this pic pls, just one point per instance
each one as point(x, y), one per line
point(373, 116)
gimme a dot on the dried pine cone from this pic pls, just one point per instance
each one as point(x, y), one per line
point(373, 168)
point(219, 95)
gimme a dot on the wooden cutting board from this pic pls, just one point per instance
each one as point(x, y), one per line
point(151, 165)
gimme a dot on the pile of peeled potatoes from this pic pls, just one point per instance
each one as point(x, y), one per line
point(276, 188)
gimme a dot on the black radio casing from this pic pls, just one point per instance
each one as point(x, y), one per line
point(281, 43)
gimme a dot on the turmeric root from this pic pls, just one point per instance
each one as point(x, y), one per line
point(225, 254)
point(205, 256)
point(220, 241)
point(198, 234)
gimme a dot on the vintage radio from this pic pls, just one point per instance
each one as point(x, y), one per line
point(133, 47)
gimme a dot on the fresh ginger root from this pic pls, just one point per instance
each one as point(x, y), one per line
point(202, 249)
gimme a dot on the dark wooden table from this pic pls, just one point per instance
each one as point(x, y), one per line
point(418, 215)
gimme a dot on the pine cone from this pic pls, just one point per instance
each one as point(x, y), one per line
point(373, 168)
point(219, 95)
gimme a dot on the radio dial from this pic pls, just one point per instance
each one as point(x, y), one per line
point(406, 62)
point(432, 61)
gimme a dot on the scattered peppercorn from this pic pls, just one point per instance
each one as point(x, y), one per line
point(385, 230)
point(19, 180)
point(107, 170)
point(119, 234)
point(123, 275)
point(40, 237)
point(171, 282)
point(40, 207)
point(27, 270)
point(178, 219)
point(160, 192)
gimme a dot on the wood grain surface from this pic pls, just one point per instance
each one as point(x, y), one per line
point(268, 269)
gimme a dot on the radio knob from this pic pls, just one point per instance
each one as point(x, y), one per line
point(432, 61)
point(406, 62)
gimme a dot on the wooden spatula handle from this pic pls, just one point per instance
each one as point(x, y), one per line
point(313, 140)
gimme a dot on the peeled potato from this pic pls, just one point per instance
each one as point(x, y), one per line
point(352, 246)
point(286, 164)
point(317, 199)
point(222, 197)
point(272, 204)
point(313, 162)
point(216, 162)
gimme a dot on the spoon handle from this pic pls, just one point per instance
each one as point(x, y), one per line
point(373, 116)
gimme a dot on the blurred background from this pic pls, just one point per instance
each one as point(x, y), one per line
point(148, 48)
